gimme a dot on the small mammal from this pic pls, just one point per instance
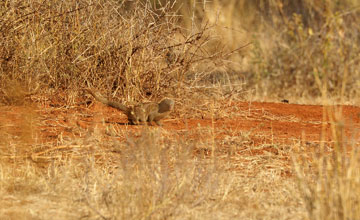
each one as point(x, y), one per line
point(141, 113)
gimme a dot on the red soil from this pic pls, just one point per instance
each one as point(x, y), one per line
point(261, 124)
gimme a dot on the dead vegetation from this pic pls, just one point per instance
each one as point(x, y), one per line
point(63, 158)
point(293, 42)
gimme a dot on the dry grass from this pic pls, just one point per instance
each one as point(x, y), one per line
point(329, 179)
point(139, 51)
point(127, 48)
point(292, 42)
point(154, 174)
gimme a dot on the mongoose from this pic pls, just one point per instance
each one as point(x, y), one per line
point(146, 112)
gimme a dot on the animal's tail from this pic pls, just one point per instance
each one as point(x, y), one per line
point(105, 101)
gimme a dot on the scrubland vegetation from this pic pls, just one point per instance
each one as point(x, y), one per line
point(202, 54)
point(296, 46)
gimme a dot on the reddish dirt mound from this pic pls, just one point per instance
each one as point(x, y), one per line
point(289, 121)
point(253, 133)
point(280, 123)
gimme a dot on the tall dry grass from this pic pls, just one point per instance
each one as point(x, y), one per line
point(131, 48)
point(146, 49)
point(142, 50)
point(149, 175)
point(329, 179)
point(292, 41)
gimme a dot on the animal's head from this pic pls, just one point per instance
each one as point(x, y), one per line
point(166, 105)
point(137, 115)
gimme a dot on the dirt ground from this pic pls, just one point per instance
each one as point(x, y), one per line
point(256, 142)
point(261, 123)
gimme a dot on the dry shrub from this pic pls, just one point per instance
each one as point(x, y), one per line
point(292, 41)
point(132, 47)
point(315, 42)
point(304, 51)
